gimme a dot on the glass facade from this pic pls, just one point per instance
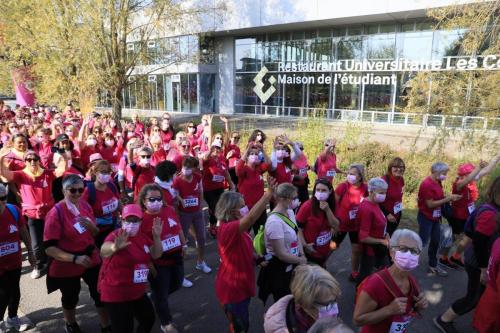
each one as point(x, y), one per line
point(415, 41)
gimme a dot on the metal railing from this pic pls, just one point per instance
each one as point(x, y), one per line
point(382, 117)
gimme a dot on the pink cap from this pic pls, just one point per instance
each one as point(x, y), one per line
point(94, 158)
point(465, 169)
point(132, 210)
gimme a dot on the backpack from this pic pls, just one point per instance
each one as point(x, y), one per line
point(470, 223)
point(259, 243)
point(13, 211)
point(93, 194)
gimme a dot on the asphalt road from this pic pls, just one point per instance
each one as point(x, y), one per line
point(197, 310)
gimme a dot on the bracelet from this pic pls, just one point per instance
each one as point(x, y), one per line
point(74, 258)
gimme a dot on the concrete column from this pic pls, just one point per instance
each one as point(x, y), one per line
point(224, 82)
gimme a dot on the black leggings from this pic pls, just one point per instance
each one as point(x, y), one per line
point(35, 227)
point(234, 177)
point(474, 291)
point(212, 197)
point(10, 294)
point(122, 315)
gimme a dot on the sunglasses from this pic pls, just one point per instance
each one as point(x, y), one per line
point(145, 156)
point(184, 146)
point(4, 198)
point(236, 137)
point(74, 190)
point(191, 126)
point(154, 199)
point(29, 160)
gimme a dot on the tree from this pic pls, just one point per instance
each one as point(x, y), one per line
point(468, 93)
point(77, 48)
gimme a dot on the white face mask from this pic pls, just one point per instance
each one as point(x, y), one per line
point(145, 161)
point(187, 172)
point(379, 197)
point(103, 178)
point(253, 159)
point(109, 143)
point(280, 153)
point(91, 142)
point(166, 146)
point(154, 207)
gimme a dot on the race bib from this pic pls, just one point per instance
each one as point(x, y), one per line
point(79, 227)
point(218, 178)
point(471, 208)
point(44, 183)
point(141, 273)
point(190, 202)
point(110, 207)
point(171, 243)
point(400, 324)
point(398, 206)
point(331, 173)
point(353, 213)
point(8, 248)
point(323, 238)
point(302, 171)
point(294, 249)
point(436, 213)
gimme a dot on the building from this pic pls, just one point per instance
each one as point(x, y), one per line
point(296, 57)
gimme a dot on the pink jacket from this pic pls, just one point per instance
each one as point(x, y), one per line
point(275, 317)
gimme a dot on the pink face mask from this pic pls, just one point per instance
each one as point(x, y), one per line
point(352, 179)
point(131, 228)
point(253, 159)
point(331, 310)
point(321, 196)
point(244, 211)
point(379, 197)
point(406, 261)
point(281, 154)
point(103, 178)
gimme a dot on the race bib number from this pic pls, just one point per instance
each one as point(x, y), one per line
point(79, 227)
point(190, 202)
point(302, 171)
point(294, 249)
point(471, 208)
point(323, 238)
point(436, 213)
point(218, 179)
point(398, 206)
point(171, 243)
point(110, 207)
point(353, 213)
point(400, 325)
point(331, 173)
point(9, 248)
point(141, 273)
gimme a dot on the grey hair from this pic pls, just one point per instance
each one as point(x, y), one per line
point(146, 150)
point(405, 234)
point(360, 168)
point(330, 325)
point(3, 189)
point(439, 167)
point(377, 184)
point(285, 190)
point(228, 202)
point(71, 180)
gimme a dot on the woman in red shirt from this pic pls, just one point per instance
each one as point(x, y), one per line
point(235, 281)
point(168, 271)
point(69, 239)
point(300, 167)
point(15, 158)
point(249, 171)
point(430, 199)
point(317, 223)
point(326, 164)
point(127, 254)
point(373, 229)
point(348, 196)
point(165, 172)
point(388, 300)
point(143, 172)
point(392, 207)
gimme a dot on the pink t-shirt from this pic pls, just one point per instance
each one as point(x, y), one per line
point(36, 193)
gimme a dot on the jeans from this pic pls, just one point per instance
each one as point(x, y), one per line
point(36, 232)
point(428, 229)
point(238, 316)
point(168, 279)
point(10, 294)
point(122, 315)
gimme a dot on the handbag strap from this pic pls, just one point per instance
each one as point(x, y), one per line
point(287, 221)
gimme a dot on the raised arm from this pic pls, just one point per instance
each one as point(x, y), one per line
point(6, 173)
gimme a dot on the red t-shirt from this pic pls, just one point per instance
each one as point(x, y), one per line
point(347, 208)
point(326, 166)
point(124, 275)
point(166, 136)
point(372, 223)
point(70, 236)
point(112, 154)
point(430, 190)
point(10, 240)
point(283, 174)
point(236, 155)
point(170, 234)
point(378, 292)
point(45, 152)
point(36, 193)
point(235, 279)
point(299, 168)
point(393, 203)
point(158, 156)
point(316, 229)
point(214, 170)
point(463, 207)
point(250, 182)
point(85, 155)
point(168, 198)
point(494, 266)
point(142, 176)
point(486, 223)
point(190, 193)
point(105, 205)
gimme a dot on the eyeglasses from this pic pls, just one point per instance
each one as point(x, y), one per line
point(412, 250)
point(74, 190)
point(153, 199)
point(4, 198)
point(185, 146)
point(145, 156)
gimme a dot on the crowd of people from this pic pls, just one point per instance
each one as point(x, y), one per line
point(115, 204)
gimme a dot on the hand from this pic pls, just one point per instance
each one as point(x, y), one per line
point(224, 119)
point(232, 187)
point(309, 248)
point(230, 154)
point(384, 242)
point(86, 223)
point(391, 218)
point(209, 119)
point(421, 302)
point(398, 306)
point(323, 205)
point(484, 276)
point(273, 184)
point(84, 261)
point(302, 261)
point(157, 227)
point(455, 197)
point(285, 139)
point(121, 241)
point(31, 259)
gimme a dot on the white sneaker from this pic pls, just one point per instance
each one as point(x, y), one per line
point(35, 273)
point(433, 271)
point(202, 266)
point(170, 328)
point(16, 323)
point(186, 283)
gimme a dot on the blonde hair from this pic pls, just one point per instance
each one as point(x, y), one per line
point(286, 191)
point(311, 281)
point(227, 204)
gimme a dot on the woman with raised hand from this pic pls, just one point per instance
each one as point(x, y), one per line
point(300, 167)
point(235, 281)
point(392, 207)
point(128, 254)
point(326, 163)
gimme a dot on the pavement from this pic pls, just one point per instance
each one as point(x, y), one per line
point(196, 309)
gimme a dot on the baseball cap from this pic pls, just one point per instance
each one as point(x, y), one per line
point(132, 210)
